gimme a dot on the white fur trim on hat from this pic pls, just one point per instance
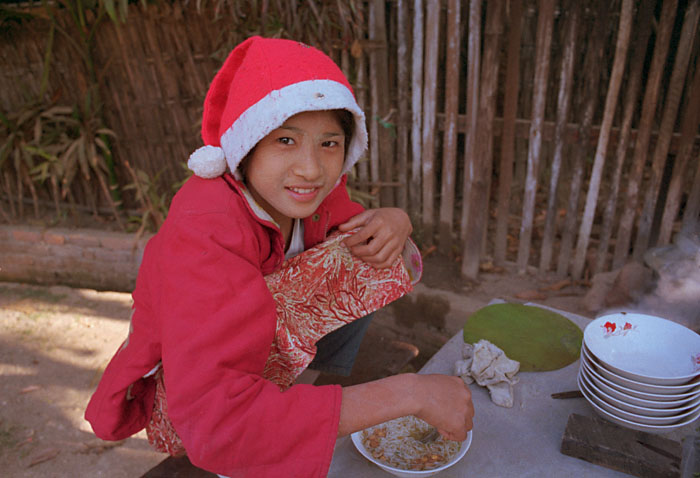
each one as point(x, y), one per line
point(277, 106)
point(207, 162)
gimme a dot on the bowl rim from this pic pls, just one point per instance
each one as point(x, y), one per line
point(646, 412)
point(631, 417)
point(640, 426)
point(606, 386)
point(630, 383)
point(637, 376)
point(356, 439)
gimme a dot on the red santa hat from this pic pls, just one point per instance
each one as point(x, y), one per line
point(262, 83)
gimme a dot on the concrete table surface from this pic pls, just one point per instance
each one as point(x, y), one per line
point(522, 441)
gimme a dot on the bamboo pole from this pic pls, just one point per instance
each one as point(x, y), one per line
point(416, 106)
point(473, 69)
point(691, 215)
point(566, 78)
point(510, 110)
point(651, 93)
point(432, 32)
point(623, 39)
point(363, 172)
point(645, 14)
point(691, 121)
point(543, 42)
point(483, 150)
point(379, 84)
point(668, 121)
point(449, 143)
point(588, 99)
point(403, 92)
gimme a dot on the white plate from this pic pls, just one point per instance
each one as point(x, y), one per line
point(604, 385)
point(693, 386)
point(632, 417)
point(634, 408)
point(357, 441)
point(633, 425)
point(645, 348)
point(663, 400)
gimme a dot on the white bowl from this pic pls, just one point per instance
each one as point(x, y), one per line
point(645, 348)
point(638, 426)
point(357, 441)
point(691, 387)
point(632, 407)
point(605, 386)
point(632, 417)
point(629, 395)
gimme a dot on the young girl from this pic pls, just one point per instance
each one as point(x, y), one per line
point(281, 128)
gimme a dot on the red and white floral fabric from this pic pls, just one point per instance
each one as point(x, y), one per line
point(316, 292)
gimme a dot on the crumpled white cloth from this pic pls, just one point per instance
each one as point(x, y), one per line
point(488, 366)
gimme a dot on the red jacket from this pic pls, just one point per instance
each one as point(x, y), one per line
point(201, 306)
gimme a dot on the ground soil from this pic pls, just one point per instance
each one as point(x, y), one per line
point(55, 342)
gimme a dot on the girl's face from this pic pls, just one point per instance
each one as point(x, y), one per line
point(292, 169)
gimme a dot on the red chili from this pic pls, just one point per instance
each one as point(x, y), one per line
point(609, 327)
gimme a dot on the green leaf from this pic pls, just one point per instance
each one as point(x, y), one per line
point(537, 338)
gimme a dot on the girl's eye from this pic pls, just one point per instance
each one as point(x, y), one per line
point(329, 144)
point(285, 140)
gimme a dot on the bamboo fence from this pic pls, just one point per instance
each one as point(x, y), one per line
point(553, 134)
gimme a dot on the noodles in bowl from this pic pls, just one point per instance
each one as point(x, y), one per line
point(396, 447)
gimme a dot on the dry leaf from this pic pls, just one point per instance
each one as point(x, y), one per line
point(558, 285)
point(356, 49)
point(43, 456)
point(31, 388)
point(530, 295)
point(99, 446)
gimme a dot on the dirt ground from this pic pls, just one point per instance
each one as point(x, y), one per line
point(55, 342)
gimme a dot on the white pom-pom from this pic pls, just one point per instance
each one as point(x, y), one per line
point(208, 162)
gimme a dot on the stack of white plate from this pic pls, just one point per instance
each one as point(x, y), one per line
point(641, 371)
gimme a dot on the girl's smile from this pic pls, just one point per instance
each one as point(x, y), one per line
point(292, 169)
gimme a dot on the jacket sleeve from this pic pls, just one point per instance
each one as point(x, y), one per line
point(217, 321)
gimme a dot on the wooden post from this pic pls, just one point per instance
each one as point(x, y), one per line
point(566, 77)
point(510, 109)
point(483, 163)
point(691, 120)
point(691, 215)
point(473, 69)
point(403, 92)
point(416, 107)
point(545, 23)
point(588, 99)
point(668, 121)
point(432, 32)
point(382, 171)
point(449, 143)
point(651, 94)
point(363, 173)
point(645, 14)
point(623, 37)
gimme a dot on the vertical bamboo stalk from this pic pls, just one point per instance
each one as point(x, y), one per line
point(416, 106)
point(483, 163)
point(668, 121)
point(472, 107)
point(510, 109)
point(651, 94)
point(691, 215)
point(691, 121)
point(403, 87)
point(432, 31)
point(375, 98)
point(543, 44)
point(449, 143)
point(363, 172)
point(588, 100)
point(566, 78)
point(645, 14)
point(623, 39)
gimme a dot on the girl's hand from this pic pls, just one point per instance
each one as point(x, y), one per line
point(381, 236)
point(446, 403)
